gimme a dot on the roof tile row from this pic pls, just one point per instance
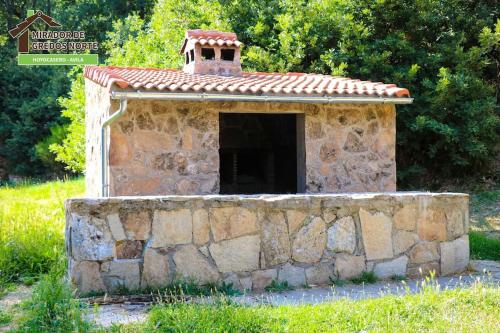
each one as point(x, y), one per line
point(248, 83)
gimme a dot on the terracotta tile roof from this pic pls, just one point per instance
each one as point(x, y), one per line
point(170, 80)
point(210, 37)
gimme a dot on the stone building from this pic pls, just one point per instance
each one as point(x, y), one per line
point(267, 160)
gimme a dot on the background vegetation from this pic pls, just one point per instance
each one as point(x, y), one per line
point(32, 229)
point(446, 52)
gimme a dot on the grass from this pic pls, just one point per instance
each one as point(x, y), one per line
point(32, 229)
point(484, 237)
point(177, 288)
point(365, 277)
point(53, 308)
point(484, 247)
point(5, 317)
point(278, 286)
point(462, 310)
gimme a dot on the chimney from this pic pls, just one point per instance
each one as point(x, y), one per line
point(211, 52)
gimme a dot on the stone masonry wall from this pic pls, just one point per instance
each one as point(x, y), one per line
point(168, 147)
point(141, 242)
point(97, 107)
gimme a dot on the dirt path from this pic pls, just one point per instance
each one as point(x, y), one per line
point(9, 302)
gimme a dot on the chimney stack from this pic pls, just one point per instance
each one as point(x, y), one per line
point(211, 52)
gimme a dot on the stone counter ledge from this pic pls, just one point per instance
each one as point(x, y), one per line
point(249, 240)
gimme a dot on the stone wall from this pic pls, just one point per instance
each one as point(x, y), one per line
point(97, 108)
point(168, 147)
point(143, 242)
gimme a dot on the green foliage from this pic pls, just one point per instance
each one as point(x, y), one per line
point(278, 286)
point(156, 43)
point(5, 318)
point(484, 247)
point(32, 228)
point(28, 100)
point(365, 277)
point(53, 308)
point(29, 95)
point(71, 149)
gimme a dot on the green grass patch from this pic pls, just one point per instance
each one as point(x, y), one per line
point(32, 228)
point(5, 318)
point(278, 286)
point(365, 277)
point(177, 288)
point(53, 308)
point(463, 310)
point(484, 247)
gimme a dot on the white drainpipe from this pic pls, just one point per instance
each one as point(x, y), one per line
point(104, 158)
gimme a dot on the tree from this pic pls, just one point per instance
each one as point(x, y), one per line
point(31, 115)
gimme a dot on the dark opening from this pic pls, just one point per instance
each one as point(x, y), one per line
point(258, 153)
point(187, 58)
point(207, 53)
point(192, 55)
point(227, 54)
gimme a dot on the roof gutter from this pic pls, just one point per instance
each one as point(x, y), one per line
point(258, 98)
point(104, 146)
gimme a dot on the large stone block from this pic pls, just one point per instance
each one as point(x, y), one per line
point(455, 223)
point(128, 249)
point(424, 252)
point(201, 227)
point(90, 239)
point(231, 222)
point(191, 264)
point(295, 276)
point(348, 266)
point(121, 273)
point(431, 225)
point(172, 227)
point(310, 242)
point(237, 255)
point(320, 274)
point(155, 271)
point(376, 230)
point(261, 279)
point(342, 235)
point(137, 225)
point(295, 220)
point(85, 275)
point(454, 255)
point(395, 267)
point(116, 227)
point(405, 218)
point(275, 240)
point(403, 240)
